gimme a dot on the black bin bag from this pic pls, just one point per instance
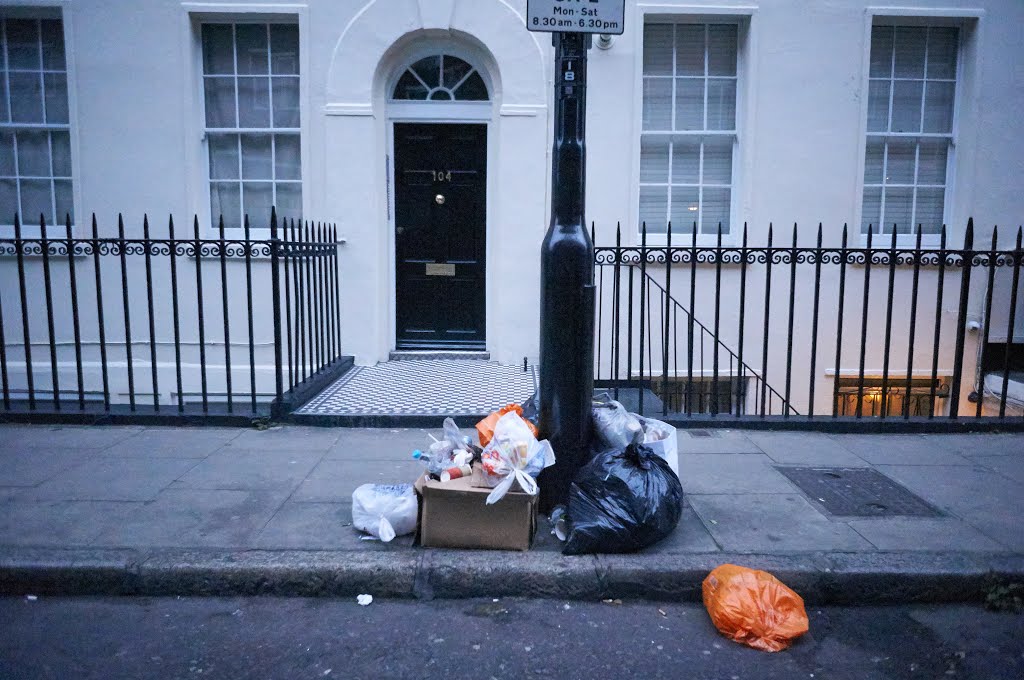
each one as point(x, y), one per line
point(621, 501)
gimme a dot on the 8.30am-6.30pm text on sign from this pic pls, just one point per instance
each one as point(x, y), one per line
point(575, 16)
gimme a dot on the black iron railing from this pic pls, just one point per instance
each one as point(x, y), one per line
point(796, 332)
point(230, 325)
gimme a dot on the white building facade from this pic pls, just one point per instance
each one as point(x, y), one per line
point(708, 112)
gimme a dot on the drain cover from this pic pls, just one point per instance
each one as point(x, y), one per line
point(699, 433)
point(857, 492)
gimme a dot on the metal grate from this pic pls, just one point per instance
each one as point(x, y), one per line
point(856, 492)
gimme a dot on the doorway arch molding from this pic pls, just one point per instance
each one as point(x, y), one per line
point(381, 32)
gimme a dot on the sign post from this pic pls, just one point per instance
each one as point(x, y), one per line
point(567, 253)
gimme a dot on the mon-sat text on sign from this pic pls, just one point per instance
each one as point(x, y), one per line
point(575, 16)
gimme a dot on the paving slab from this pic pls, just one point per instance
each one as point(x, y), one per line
point(60, 523)
point(20, 437)
point(923, 533)
point(290, 438)
point(979, 443)
point(320, 526)
point(246, 470)
point(690, 536)
point(173, 442)
point(718, 473)
point(111, 479)
point(383, 444)
point(209, 518)
point(333, 481)
point(29, 467)
point(771, 523)
point(798, 448)
point(1011, 467)
point(717, 441)
point(899, 449)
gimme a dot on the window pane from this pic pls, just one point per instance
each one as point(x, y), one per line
point(474, 89)
point(56, 88)
point(286, 102)
point(36, 200)
point(33, 154)
point(225, 202)
point(60, 147)
point(938, 106)
point(257, 160)
point(910, 41)
point(686, 161)
point(287, 157)
point(218, 50)
point(684, 211)
point(657, 104)
point(906, 106)
point(53, 45)
point(654, 208)
point(881, 51)
point(223, 156)
point(718, 162)
point(8, 200)
point(284, 49)
point(872, 209)
point(65, 200)
point(878, 106)
point(220, 102)
point(658, 49)
point(689, 104)
point(654, 159)
point(289, 200)
point(254, 102)
point(898, 204)
point(715, 210)
point(26, 97)
point(454, 70)
point(409, 87)
point(23, 44)
point(429, 70)
point(689, 50)
point(722, 50)
point(931, 168)
point(900, 162)
point(251, 47)
point(930, 203)
point(873, 162)
point(5, 112)
point(257, 198)
point(721, 104)
point(942, 49)
point(6, 158)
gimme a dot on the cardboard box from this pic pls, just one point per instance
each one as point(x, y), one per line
point(455, 514)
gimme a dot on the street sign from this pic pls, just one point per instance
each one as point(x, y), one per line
point(575, 16)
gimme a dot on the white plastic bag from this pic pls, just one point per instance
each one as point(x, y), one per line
point(615, 427)
point(514, 454)
point(384, 510)
point(661, 438)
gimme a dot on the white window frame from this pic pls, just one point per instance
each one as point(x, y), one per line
point(743, 18)
point(194, 15)
point(54, 9)
point(965, 94)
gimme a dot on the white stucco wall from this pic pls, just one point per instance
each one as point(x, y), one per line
point(134, 83)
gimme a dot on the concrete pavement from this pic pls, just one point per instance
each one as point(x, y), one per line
point(179, 510)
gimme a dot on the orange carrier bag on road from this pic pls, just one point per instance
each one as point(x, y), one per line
point(754, 607)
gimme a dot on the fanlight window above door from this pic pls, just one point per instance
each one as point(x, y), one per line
point(441, 77)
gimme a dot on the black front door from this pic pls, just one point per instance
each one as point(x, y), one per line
point(440, 225)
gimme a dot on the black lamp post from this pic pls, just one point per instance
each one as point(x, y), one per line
point(567, 282)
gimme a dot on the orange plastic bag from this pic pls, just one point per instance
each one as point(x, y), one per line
point(485, 428)
point(754, 607)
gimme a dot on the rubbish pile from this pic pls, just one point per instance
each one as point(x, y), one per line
point(484, 494)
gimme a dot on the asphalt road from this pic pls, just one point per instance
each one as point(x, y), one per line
point(296, 638)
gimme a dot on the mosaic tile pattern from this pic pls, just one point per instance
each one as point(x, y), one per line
point(435, 387)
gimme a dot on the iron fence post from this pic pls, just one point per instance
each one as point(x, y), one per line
point(276, 304)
